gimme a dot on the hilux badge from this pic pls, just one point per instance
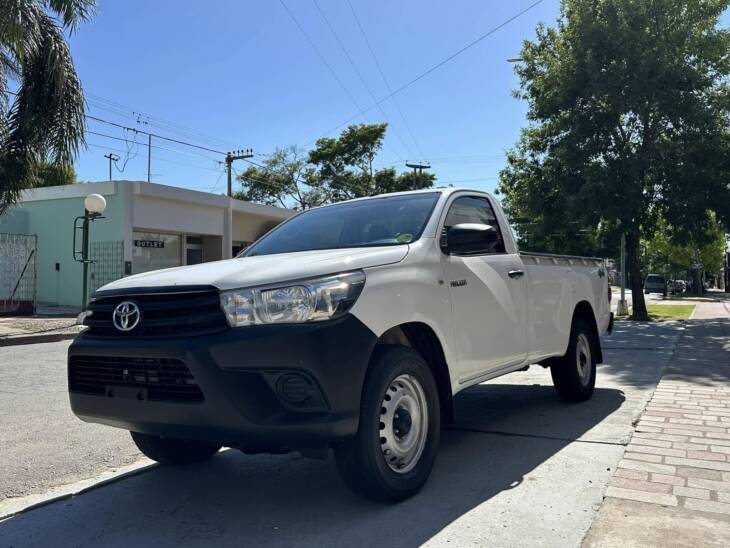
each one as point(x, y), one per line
point(126, 316)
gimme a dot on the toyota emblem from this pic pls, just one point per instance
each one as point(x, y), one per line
point(126, 316)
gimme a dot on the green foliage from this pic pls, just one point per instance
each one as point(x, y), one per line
point(628, 123)
point(46, 117)
point(48, 174)
point(282, 181)
point(336, 169)
point(662, 254)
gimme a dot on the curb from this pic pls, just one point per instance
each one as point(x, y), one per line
point(12, 507)
point(15, 340)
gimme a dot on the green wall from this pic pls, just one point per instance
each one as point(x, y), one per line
point(52, 221)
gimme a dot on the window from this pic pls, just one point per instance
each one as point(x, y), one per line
point(153, 250)
point(475, 210)
point(392, 220)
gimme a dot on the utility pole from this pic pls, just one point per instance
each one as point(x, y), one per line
point(230, 158)
point(149, 155)
point(112, 158)
point(418, 167)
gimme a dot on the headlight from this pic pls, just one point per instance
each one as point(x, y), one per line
point(306, 301)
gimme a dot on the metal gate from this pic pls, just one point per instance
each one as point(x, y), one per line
point(18, 273)
point(107, 265)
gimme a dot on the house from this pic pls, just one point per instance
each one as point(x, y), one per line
point(146, 226)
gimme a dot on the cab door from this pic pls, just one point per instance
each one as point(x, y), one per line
point(488, 289)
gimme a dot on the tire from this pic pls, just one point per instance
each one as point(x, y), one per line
point(574, 375)
point(172, 451)
point(399, 382)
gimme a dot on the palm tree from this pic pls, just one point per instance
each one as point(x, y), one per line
point(44, 118)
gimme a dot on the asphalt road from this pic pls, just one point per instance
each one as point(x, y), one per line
point(42, 444)
point(518, 468)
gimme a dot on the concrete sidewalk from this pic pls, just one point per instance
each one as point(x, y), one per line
point(672, 487)
point(17, 330)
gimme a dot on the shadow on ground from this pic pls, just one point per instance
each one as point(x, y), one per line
point(635, 353)
point(703, 354)
point(287, 501)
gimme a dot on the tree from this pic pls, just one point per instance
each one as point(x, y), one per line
point(281, 180)
point(387, 181)
point(46, 116)
point(344, 165)
point(48, 174)
point(336, 169)
point(662, 255)
point(628, 123)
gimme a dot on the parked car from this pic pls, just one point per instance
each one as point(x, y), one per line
point(655, 283)
point(350, 326)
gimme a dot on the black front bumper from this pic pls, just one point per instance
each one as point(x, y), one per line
point(240, 373)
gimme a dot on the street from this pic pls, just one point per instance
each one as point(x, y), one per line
point(518, 467)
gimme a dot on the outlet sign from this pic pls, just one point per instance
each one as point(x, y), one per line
point(149, 243)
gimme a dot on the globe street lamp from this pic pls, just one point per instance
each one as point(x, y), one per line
point(94, 206)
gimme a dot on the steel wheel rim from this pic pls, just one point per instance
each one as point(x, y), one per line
point(583, 358)
point(403, 423)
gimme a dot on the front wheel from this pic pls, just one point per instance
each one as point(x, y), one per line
point(392, 454)
point(574, 375)
point(171, 451)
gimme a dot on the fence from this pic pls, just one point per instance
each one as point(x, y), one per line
point(18, 279)
point(107, 265)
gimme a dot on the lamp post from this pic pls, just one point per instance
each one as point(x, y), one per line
point(94, 206)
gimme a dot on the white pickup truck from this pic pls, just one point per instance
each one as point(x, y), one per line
point(350, 326)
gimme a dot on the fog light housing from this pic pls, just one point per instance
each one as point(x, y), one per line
point(295, 389)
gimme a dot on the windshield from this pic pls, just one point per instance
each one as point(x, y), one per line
point(654, 279)
point(393, 220)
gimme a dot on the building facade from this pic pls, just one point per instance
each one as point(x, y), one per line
point(145, 226)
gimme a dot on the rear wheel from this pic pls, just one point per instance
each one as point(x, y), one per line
point(172, 450)
point(574, 375)
point(392, 454)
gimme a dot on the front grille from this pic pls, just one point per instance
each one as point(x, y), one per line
point(165, 379)
point(164, 313)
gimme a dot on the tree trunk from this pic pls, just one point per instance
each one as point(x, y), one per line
point(638, 305)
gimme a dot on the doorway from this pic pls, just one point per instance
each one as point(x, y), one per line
point(193, 249)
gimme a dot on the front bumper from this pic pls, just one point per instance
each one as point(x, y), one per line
point(239, 372)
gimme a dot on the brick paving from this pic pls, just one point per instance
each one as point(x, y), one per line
point(679, 455)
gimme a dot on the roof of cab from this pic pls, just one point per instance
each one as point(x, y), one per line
point(440, 190)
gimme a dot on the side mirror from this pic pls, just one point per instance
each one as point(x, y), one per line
point(466, 238)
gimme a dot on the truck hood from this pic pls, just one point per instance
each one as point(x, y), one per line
point(265, 269)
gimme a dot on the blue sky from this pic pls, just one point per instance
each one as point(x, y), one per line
point(230, 74)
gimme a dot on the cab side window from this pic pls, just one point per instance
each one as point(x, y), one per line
point(475, 210)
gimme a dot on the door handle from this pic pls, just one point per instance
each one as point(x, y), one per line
point(516, 273)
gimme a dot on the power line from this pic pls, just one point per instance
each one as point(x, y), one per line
point(218, 180)
point(124, 110)
point(135, 130)
point(136, 144)
point(385, 80)
point(324, 61)
point(95, 118)
point(158, 147)
point(105, 147)
point(437, 65)
point(359, 74)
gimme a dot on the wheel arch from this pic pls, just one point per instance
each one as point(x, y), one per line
point(423, 339)
point(584, 311)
